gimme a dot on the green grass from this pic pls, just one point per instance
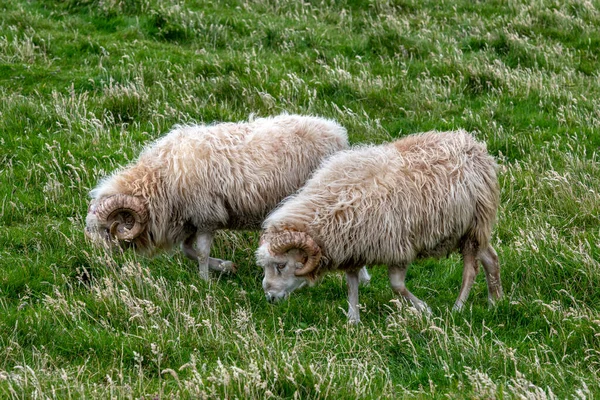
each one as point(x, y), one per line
point(86, 83)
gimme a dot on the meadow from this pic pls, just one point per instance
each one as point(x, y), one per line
point(85, 84)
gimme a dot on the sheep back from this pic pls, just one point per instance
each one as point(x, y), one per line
point(419, 196)
point(228, 175)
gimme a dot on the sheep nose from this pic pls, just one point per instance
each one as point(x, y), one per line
point(270, 297)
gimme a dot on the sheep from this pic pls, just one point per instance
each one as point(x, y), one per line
point(425, 195)
point(199, 179)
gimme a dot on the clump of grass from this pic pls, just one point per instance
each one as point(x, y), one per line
point(126, 102)
point(22, 47)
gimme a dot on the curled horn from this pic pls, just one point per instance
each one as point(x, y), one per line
point(126, 215)
point(298, 240)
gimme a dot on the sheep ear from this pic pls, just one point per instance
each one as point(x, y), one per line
point(311, 275)
point(129, 213)
point(301, 257)
point(309, 266)
point(288, 240)
point(123, 226)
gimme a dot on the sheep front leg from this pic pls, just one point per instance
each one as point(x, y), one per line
point(203, 243)
point(352, 279)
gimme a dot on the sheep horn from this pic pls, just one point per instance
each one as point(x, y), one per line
point(298, 240)
point(126, 215)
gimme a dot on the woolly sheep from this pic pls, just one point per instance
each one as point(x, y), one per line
point(199, 179)
point(425, 195)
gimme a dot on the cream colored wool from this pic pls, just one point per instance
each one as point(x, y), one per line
point(423, 195)
point(198, 179)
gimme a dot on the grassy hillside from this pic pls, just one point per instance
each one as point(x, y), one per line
point(84, 84)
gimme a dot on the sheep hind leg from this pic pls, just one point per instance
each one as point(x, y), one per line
point(397, 275)
point(352, 280)
point(363, 276)
point(491, 266)
point(188, 248)
point(216, 264)
point(470, 270)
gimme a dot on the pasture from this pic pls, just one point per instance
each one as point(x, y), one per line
point(85, 84)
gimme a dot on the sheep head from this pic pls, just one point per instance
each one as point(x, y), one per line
point(120, 217)
point(289, 260)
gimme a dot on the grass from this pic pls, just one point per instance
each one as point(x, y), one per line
point(86, 83)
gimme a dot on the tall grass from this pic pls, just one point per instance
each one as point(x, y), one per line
point(87, 83)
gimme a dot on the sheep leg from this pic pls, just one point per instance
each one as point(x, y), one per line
point(397, 275)
point(188, 248)
point(470, 270)
point(352, 279)
point(363, 276)
point(203, 241)
point(491, 266)
point(192, 254)
point(216, 264)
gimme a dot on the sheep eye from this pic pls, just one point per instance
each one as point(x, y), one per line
point(280, 267)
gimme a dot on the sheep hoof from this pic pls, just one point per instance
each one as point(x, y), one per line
point(493, 301)
point(222, 266)
point(422, 307)
point(353, 316)
point(204, 275)
point(228, 266)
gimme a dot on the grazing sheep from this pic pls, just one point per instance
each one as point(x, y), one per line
point(421, 196)
point(198, 179)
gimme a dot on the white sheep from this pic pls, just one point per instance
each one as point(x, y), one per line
point(198, 179)
point(421, 196)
